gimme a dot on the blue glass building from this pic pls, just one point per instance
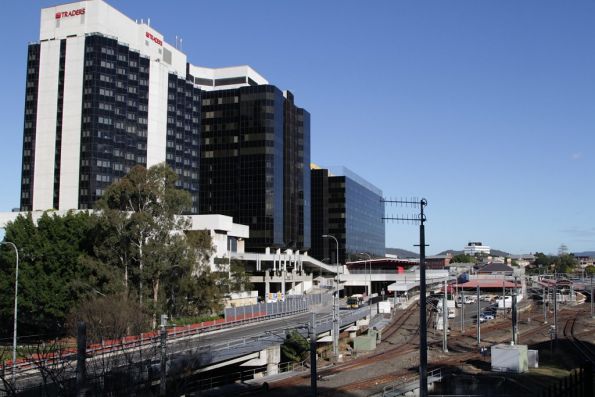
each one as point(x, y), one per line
point(349, 208)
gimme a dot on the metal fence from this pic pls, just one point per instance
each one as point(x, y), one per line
point(292, 304)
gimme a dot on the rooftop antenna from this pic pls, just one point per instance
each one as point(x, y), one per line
point(148, 21)
point(180, 44)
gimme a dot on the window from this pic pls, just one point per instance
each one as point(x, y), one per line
point(106, 92)
point(106, 64)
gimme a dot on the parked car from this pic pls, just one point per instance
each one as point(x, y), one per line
point(488, 315)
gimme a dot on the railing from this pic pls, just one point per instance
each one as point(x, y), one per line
point(292, 304)
point(151, 338)
point(410, 383)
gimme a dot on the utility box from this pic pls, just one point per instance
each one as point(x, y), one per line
point(366, 342)
point(533, 358)
point(510, 358)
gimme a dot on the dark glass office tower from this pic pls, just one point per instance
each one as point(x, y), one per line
point(349, 208)
point(114, 118)
point(29, 127)
point(183, 135)
point(252, 163)
point(320, 214)
point(296, 193)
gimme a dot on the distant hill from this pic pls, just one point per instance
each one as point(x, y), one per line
point(452, 252)
point(493, 252)
point(401, 253)
point(585, 253)
point(499, 253)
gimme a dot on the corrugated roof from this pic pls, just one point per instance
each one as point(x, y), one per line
point(495, 267)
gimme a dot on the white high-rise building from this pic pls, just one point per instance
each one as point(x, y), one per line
point(104, 93)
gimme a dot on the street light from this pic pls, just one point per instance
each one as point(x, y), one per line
point(16, 291)
point(368, 291)
point(335, 301)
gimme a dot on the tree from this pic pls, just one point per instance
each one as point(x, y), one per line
point(590, 270)
point(463, 258)
point(295, 348)
point(53, 272)
point(108, 317)
point(542, 261)
point(565, 263)
point(232, 276)
point(144, 238)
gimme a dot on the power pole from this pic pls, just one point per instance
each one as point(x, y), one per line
point(592, 296)
point(514, 315)
point(478, 323)
point(555, 294)
point(445, 319)
point(462, 296)
point(81, 356)
point(163, 364)
point(313, 370)
point(544, 305)
point(423, 326)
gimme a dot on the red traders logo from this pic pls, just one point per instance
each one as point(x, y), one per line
point(71, 13)
point(157, 40)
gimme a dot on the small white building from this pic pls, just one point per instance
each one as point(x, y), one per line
point(476, 247)
point(228, 237)
point(510, 358)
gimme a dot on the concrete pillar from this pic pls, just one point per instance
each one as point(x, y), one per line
point(273, 358)
point(283, 274)
point(267, 285)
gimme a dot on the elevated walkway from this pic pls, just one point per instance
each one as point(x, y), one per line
point(282, 259)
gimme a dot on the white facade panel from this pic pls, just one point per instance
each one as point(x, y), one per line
point(224, 73)
point(45, 139)
point(157, 119)
point(96, 16)
point(71, 123)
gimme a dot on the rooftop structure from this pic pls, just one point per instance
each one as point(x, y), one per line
point(476, 247)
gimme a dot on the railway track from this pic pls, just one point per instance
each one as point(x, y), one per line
point(585, 350)
point(408, 345)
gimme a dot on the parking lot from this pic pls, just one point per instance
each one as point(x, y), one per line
point(470, 314)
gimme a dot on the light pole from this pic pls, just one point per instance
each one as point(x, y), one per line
point(592, 296)
point(336, 325)
point(368, 286)
point(16, 294)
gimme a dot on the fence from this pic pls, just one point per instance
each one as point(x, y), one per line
point(578, 384)
point(292, 304)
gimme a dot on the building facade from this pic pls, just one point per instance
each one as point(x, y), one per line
point(476, 247)
point(345, 206)
point(105, 93)
point(255, 147)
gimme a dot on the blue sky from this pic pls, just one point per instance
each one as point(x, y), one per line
point(486, 108)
